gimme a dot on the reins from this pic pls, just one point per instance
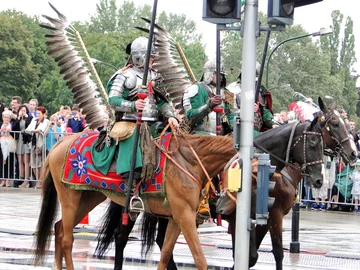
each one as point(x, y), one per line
point(167, 154)
point(290, 145)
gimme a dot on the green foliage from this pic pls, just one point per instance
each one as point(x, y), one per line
point(313, 68)
point(19, 75)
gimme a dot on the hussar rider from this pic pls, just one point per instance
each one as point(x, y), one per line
point(122, 89)
point(199, 101)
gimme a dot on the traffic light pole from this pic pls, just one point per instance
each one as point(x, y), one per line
point(243, 203)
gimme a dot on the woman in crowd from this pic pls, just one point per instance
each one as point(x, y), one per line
point(52, 132)
point(37, 127)
point(22, 121)
point(7, 145)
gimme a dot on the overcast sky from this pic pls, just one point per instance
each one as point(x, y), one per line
point(311, 17)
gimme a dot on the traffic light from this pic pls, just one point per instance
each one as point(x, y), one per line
point(282, 11)
point(264, 188)
point(222, 11)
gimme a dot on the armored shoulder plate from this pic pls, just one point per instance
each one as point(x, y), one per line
point(131, 78)
point(192, 91)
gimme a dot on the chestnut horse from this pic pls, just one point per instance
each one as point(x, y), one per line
point(183, 193)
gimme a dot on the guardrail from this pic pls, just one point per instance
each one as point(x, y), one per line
point(25, 163)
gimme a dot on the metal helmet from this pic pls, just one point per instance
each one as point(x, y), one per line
point(210, 68)
point(138, 51)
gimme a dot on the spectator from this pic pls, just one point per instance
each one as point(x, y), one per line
point(37, 127)
point(68, 131)
point(52, 132)
point(15, 104)
point(75, 121)
point(7, 145)
point(341, 190)
point(345, 117)
point(33, 104)
point(284, 117)
point(62, 125)
point(22, 146)
point(355, 191)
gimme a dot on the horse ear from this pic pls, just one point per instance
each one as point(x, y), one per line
point(322, 106)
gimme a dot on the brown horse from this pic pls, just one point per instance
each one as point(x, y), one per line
point(182, 192)
point(284, 193)
point(337, 141)
point(336, 137)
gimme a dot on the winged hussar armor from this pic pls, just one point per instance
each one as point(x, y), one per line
point(171, 63)
point(75, 67)
point(78, 69)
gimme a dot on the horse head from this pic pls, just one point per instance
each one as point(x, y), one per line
point(311, 161)
point(336, 136)
point(295, 143)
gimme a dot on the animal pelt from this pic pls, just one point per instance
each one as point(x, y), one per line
point(148, 152)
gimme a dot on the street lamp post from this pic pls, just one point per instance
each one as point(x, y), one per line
point(322, 32)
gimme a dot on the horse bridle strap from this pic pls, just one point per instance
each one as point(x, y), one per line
point(177, 164)
point(305, 133)
point(287, 163)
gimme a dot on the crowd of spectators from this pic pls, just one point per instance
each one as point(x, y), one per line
point(340, 187)
point(28, 134)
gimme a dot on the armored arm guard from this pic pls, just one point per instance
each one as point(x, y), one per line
point(196, 104)
point(165, 109)
point(118, 93)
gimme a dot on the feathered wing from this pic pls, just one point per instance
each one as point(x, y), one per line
point(171, 63)
point(76, 67)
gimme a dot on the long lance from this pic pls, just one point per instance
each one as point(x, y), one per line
point(258, 83)
point(142, 93)
point(219, 108)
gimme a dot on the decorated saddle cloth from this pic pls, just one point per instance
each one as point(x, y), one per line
point(80, 173)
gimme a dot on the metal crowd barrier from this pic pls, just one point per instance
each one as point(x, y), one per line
point(9, 169)
point(340, 196)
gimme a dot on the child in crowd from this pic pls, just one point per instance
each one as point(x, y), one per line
point(355, 192)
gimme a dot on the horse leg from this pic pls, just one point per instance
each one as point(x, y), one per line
point(171, 235)
point(261, 231)
point(58, 239)
point(69, 200)
point(276, 228)
point(86, 205)
point(187, 224)
point(121, 239)
point(160, 237)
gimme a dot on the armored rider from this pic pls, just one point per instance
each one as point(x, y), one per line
point(199, 101)
point(263, 116)
point(123, 88)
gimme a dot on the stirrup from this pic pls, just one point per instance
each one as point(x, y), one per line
point(136, 204)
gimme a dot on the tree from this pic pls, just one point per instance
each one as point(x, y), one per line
point(19, 75)
point(342, 54)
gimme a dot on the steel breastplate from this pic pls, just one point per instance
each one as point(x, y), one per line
point(150, 112)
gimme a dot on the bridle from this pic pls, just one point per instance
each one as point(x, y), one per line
point(326, 130)
point(291, 145)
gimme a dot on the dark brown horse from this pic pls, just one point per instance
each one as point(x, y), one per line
point(284, 193)
point(182, 192)
point(337, 141)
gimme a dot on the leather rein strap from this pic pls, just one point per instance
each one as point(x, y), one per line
point(167, 154)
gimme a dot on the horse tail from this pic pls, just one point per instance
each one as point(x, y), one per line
point(111, 221)
point(47, 214)
point(148, 232)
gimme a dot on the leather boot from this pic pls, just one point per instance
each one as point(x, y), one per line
point(204, 209)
